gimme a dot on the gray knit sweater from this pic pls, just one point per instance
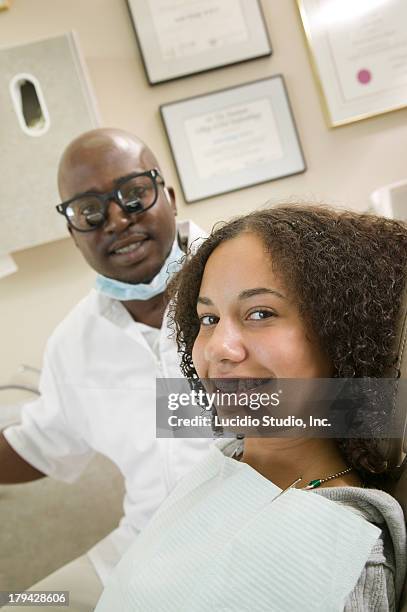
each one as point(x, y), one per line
point(381, 582)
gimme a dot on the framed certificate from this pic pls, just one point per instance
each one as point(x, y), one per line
point(178, 38)
point(359, 55)
point(233, 138)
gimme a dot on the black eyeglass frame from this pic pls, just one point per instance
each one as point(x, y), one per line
point(115, 195)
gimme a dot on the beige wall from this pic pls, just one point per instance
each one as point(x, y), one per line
point(344, 165)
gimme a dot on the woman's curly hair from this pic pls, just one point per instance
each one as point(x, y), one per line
point(345, 270)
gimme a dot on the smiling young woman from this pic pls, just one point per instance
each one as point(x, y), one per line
point(298, 292)
point(333, 289)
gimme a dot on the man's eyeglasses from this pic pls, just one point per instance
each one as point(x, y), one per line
point(134, 193)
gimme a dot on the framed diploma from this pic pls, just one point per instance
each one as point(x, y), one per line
point(178, 38)
point(233, 138)
point(359, 55)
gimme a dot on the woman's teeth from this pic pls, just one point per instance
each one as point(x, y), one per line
point(239, 385)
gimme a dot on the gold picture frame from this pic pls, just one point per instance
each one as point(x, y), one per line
point(354, 80)
point(4, 4)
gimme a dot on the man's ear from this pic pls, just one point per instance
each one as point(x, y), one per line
point(72, 234)
point(170, 195)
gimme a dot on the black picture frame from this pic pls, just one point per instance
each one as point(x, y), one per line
point(266, 144)
point(149, 23)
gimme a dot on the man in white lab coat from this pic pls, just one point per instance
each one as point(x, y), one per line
point(100, 365)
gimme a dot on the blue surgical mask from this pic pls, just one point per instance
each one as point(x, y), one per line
point(142, 291)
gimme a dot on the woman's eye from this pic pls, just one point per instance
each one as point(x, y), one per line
point(259, 315)
point(207, 320)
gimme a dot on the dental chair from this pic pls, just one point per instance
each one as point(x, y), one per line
point(397, 448)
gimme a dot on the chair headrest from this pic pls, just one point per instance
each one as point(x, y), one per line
point(397, 448)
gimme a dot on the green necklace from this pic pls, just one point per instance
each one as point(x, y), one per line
point(313, 484)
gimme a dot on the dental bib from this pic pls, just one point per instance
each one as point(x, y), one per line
point(223, 540)
point(142, 291)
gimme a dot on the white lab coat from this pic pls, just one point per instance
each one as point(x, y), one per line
point(98, 394)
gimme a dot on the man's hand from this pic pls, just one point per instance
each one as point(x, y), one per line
point(13, 468)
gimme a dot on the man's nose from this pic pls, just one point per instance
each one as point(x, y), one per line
point(117, 219)
point(226, 345)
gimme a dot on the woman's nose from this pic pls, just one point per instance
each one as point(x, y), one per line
point(226, 345)
point(117, 219)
